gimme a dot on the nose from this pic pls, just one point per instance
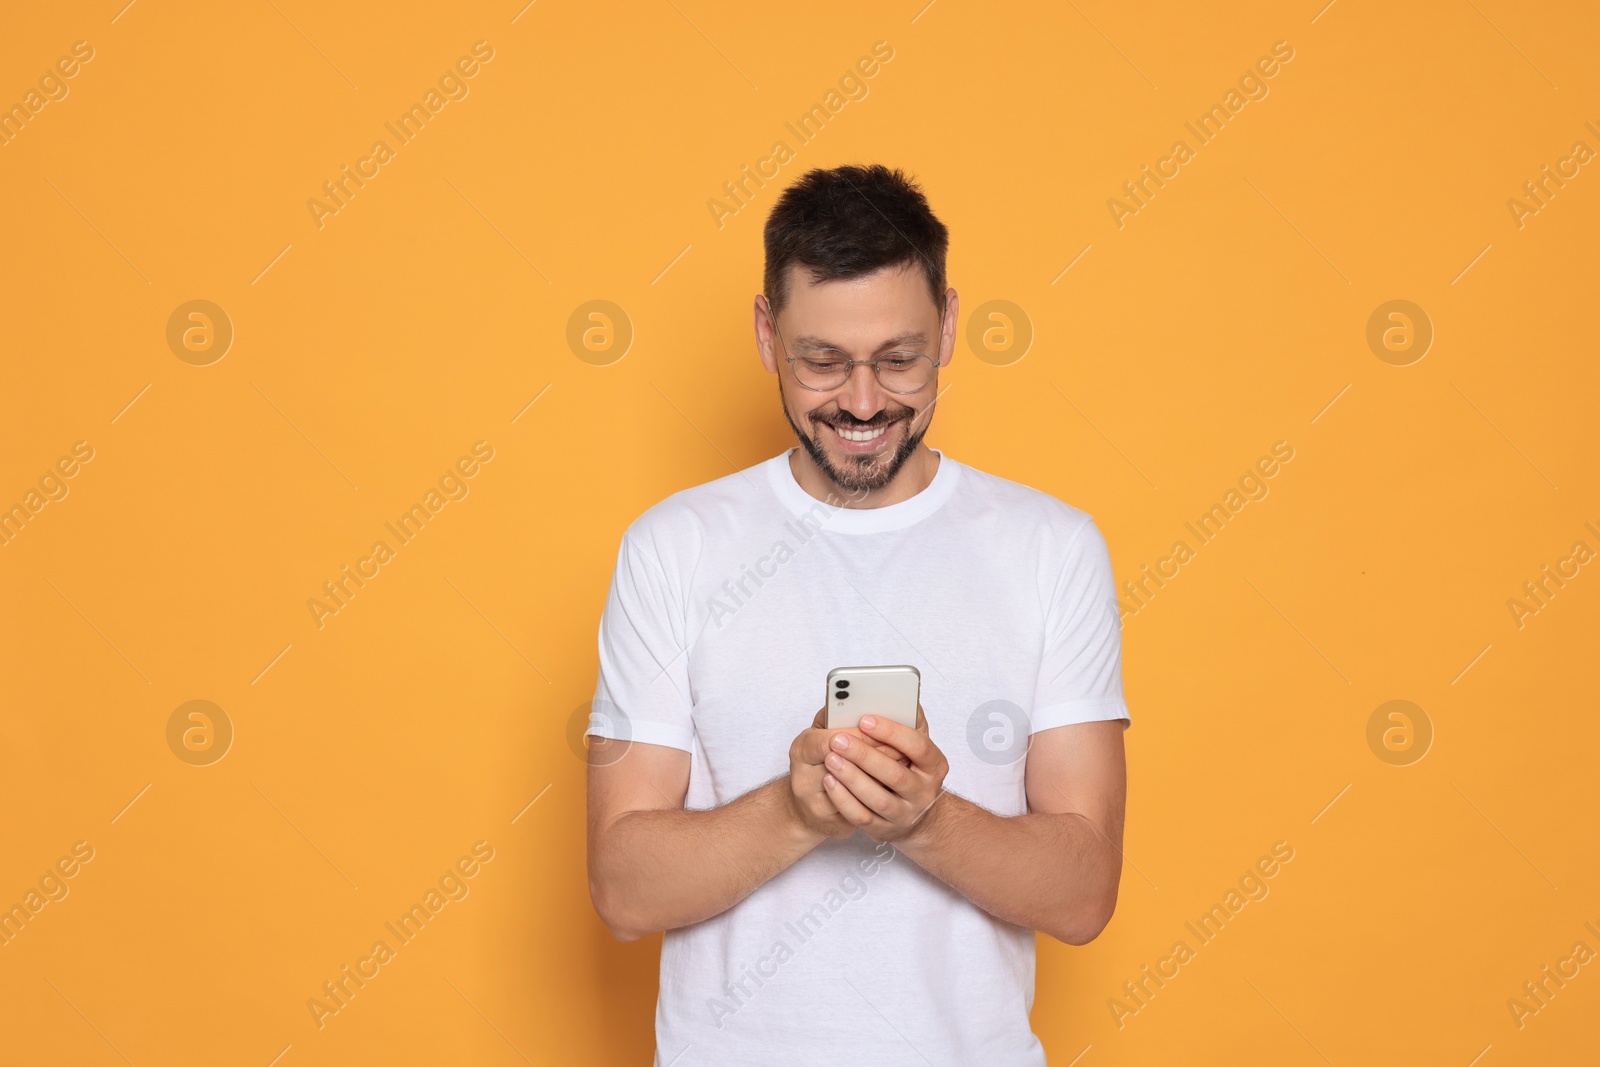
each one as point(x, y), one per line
point(861, 395)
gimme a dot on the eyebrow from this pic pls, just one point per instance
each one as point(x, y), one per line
point(808, 342)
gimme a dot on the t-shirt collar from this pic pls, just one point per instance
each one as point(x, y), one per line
point(862, 520)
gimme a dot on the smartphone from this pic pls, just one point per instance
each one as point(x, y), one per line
point(891, 691)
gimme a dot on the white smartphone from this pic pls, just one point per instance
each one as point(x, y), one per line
point(891, 692)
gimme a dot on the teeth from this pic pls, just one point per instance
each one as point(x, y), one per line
point(860, 435)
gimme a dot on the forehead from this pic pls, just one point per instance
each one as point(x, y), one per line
point(891, 300)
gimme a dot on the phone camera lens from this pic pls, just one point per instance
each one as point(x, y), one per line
point(842, 683)
point(842, 694)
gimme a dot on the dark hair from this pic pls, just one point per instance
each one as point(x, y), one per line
point(851, 221)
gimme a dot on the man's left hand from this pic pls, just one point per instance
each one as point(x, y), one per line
point(887, 799)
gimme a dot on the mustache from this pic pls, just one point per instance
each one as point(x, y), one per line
point(845, 421)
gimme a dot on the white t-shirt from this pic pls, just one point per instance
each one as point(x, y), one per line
point(730, 603)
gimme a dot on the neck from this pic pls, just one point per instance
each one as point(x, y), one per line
point(912, 478)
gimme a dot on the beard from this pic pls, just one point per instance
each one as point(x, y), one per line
point(860, 473)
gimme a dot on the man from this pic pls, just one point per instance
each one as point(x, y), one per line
point(866, 895)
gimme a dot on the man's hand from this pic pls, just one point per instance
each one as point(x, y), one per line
point(808, 799)
point(872, 791)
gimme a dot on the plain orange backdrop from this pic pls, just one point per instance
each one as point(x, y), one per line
point(434, 711)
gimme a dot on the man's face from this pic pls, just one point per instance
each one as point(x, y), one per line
point(859, 434)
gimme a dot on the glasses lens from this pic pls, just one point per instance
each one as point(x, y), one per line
point(905, 373)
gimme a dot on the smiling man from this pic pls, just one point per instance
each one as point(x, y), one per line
point(860, 895)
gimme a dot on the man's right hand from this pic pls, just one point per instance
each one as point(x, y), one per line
point(808, 799)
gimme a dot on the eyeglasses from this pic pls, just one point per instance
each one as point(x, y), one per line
point(898, 372)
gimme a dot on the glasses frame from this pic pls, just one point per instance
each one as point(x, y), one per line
point(849, 364)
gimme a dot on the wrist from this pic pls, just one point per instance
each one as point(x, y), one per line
point(799, 832)
point(928, 826)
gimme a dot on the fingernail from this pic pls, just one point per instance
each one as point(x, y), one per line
point(841, 742)
point(834, 761)
point(868, 721)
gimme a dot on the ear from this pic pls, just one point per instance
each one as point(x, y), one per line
point(766, 339)
point(947, 338)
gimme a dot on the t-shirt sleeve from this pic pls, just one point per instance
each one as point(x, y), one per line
point(1080, 674)
point(643, 690)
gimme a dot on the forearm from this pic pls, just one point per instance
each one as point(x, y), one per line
point(1051, 872)
point(661, 869)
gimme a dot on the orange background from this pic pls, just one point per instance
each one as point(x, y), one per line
point(371, 753)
